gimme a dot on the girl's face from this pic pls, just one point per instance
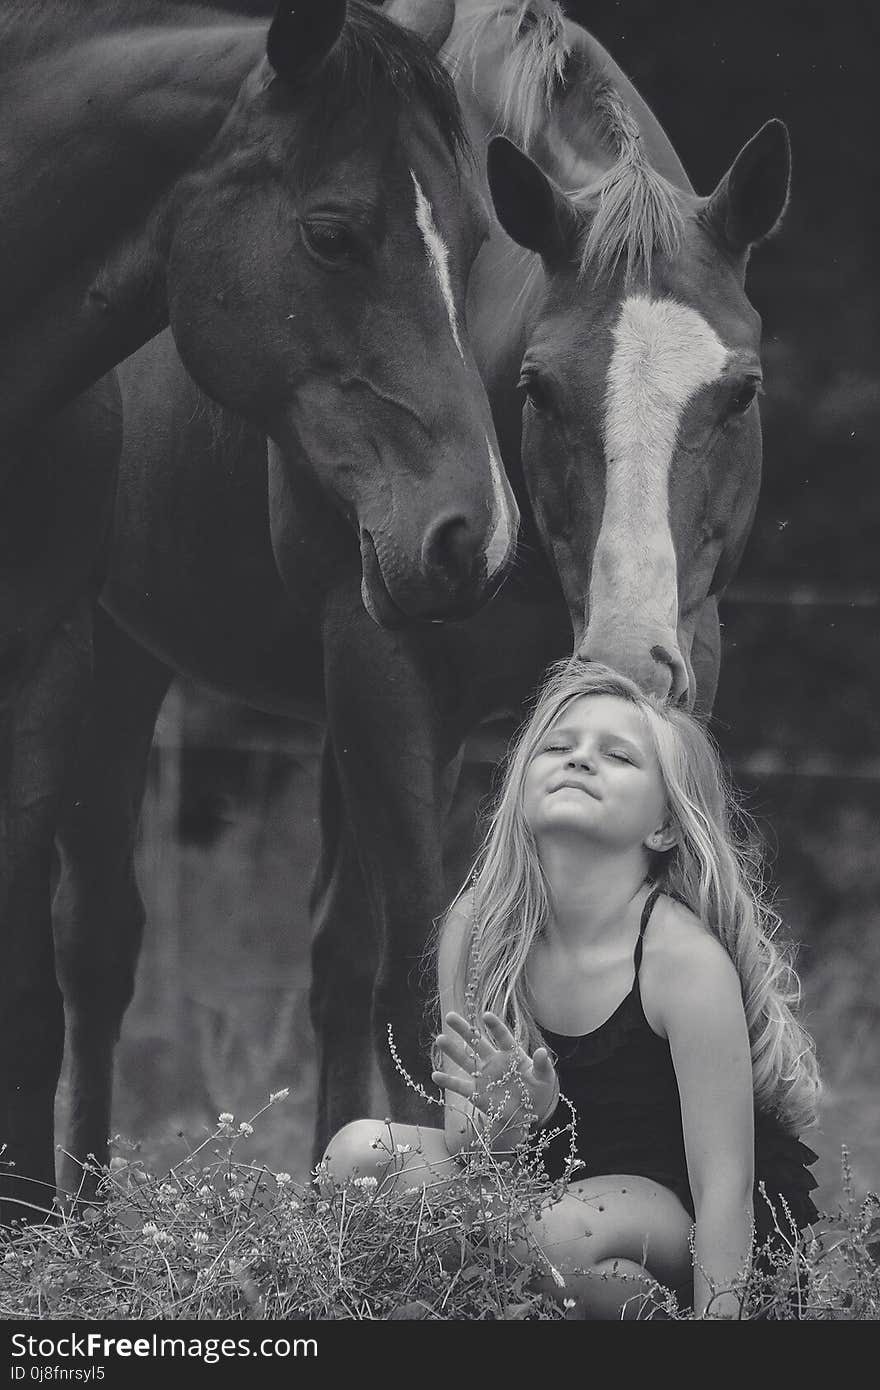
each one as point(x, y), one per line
point(596, 774)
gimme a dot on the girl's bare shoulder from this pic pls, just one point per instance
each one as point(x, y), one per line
point(682, 955)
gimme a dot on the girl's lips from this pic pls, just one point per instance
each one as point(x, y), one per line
point(575, 786)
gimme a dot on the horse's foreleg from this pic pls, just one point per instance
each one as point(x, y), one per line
point(39, 727)
point(57, 496)
point(414, 892)
point(343, 968)
point(98, 911)
point(390, 709)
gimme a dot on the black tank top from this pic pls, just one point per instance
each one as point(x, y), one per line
point(621, 1082)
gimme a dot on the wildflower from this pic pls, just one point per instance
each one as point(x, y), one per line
point(149, 1228)
point(225, 1118)
point(295, 1205)
point(279, 1095)
point(403, 1148)
point(205, 1192)
point(282, 1179)
point(245, 1128)
point(200, 1239)
point(322, 1207)
point(568, 1302)
point(366, 1182)
point(237, 1194)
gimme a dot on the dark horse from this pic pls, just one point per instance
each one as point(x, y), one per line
point(298, 202)
point(612, 297)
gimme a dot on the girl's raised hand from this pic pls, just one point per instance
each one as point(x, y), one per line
point(500, 1077)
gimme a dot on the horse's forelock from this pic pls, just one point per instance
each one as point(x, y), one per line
point(634, 210)
point(376, 58)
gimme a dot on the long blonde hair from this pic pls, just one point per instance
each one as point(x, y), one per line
point(715, 868)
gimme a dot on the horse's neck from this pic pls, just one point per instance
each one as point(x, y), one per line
point(96, 132)
point(506, 280)
point(567, 138)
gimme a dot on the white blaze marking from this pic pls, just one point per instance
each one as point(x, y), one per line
point(663, 354)
point(438, 255)
point(499, 544)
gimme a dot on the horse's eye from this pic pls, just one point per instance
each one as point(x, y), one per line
point(329, 241)
point(743, 396)
point(537, 392)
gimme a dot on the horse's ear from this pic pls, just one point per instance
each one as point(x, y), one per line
point(301, 35)
point(432, 20)
point(528, 204)
point(751, 198)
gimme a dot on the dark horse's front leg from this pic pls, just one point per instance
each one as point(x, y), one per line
point(344, 956)
point(98, 911)
point(396, 734)
point(39, 727)
point(56, 499)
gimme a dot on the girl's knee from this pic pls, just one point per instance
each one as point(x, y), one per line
point(357, 1150)
point(625, 1219)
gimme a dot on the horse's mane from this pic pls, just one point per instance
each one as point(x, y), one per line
point(374, 57)
point(634, 210)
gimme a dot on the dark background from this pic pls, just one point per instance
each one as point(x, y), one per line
point(229, 830)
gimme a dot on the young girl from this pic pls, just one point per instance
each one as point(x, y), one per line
point(612, 948)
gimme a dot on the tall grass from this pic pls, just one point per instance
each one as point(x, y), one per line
point(217, 1236)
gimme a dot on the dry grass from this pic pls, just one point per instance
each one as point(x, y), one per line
point(219, 1236)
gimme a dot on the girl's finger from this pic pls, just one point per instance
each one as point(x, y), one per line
point(461, 1085)
point(456, 1051)
point(543, 1067)
point(472, 1037)
point(499, 1031)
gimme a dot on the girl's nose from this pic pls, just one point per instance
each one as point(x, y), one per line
point(583, 758)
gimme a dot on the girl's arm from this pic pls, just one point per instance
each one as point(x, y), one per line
point(704, 1020)
point(458, 1119)
point(492, 1095)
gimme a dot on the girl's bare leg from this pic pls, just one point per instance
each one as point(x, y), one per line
point(397, 1156)
point(610, 1238)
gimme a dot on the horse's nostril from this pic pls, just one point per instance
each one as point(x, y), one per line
point(678, 689)
point(450, 546)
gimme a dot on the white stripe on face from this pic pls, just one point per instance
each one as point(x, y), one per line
point(499, 544)
point(438, 255)
point(663, 354)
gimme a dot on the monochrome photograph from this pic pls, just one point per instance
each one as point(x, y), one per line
point(439, 734)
